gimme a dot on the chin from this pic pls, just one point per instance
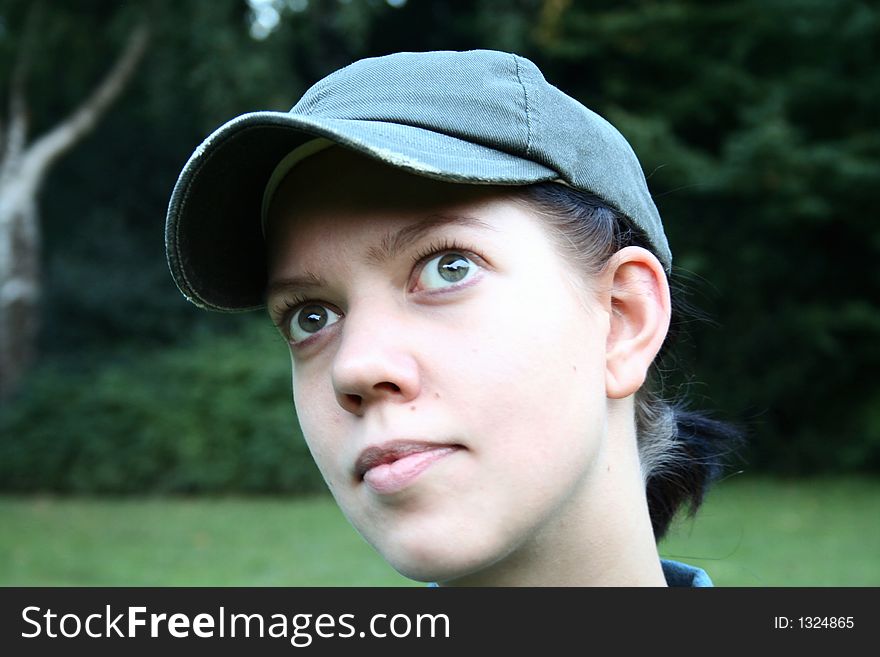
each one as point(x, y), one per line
point(435, 570)
point(442, 559)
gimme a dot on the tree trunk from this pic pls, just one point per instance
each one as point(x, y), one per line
point(19, 288)
point(22, 170)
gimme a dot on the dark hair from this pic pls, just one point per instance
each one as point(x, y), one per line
point(681, 451)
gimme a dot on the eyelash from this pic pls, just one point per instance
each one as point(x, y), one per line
point(285, 310)
point(436, 248)
point(287, 307)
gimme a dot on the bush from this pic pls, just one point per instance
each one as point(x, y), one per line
point(213, 416)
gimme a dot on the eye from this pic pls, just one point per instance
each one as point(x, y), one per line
point(310, 319)
point(445, 270)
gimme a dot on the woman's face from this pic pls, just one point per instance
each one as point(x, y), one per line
point(448, 366)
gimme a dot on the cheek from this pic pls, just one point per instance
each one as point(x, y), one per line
point(529, 353)
point(527, 381)
point(528, 393)
point(316, 412)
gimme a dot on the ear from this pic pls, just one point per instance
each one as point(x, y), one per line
point(640, 312)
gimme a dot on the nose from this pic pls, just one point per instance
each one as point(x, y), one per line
point(374, 362)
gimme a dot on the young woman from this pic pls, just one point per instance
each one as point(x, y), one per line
point(473, 281)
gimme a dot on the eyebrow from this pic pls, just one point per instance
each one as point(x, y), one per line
point(389, 247)
point(392, 244)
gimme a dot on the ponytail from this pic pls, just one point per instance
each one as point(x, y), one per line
point(695, 459)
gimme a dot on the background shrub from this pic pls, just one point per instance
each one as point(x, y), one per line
point(212, 416)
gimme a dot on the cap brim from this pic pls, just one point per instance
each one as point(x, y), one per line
point(213, 236)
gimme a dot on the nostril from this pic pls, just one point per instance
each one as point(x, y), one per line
point(355, 403)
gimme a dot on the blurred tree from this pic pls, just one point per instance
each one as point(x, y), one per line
point(107, 281)
point(23, 168)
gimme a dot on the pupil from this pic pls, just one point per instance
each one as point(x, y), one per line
point(312, 318)
point(453, 267)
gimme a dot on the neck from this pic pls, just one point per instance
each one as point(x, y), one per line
point(602, 535)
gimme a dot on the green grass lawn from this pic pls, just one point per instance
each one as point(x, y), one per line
point(750, 532)
point(767, 532)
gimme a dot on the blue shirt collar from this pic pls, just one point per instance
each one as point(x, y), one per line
point(681, 574)
point(676, 574)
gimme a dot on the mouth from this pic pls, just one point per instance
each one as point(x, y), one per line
point(392, 466)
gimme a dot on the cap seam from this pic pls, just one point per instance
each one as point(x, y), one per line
point(319, 96)
point(528, 110)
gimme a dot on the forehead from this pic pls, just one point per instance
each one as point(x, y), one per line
point(337, 197)
point(338, 209)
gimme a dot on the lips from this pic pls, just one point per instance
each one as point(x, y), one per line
point(392, 466)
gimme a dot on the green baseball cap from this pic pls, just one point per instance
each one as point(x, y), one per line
point(478, 117)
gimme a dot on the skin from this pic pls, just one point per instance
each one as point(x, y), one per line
point(524, 367)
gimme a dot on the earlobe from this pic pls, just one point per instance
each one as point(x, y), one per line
point(639, 319)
